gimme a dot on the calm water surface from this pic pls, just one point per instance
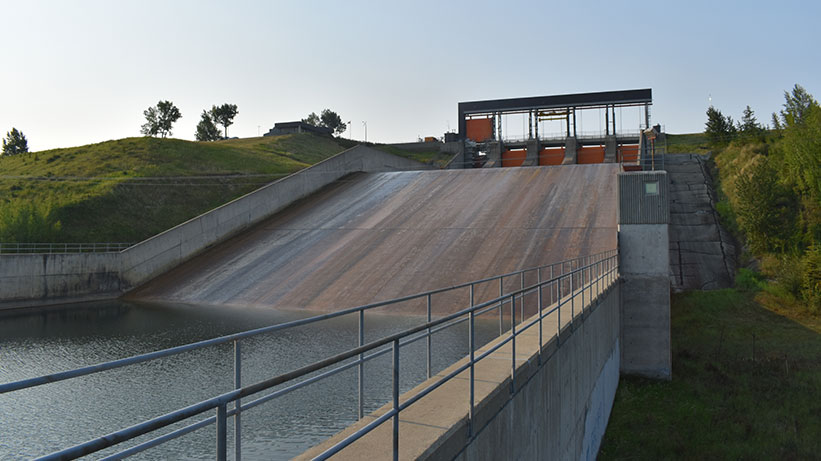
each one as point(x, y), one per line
point(47, 418)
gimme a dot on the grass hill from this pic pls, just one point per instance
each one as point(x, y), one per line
point(130, 189)
point(691, 143)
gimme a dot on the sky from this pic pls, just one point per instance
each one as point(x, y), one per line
point(82, 71)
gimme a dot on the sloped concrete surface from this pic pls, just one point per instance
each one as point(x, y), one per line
point(702, 255)
point(377, 236)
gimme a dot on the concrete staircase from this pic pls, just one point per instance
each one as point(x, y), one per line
point(702, 255)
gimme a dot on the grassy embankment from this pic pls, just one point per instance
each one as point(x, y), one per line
point(746, 381)
point(690, 143)
point(130, 189)
point(430, 156)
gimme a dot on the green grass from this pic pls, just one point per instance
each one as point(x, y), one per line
point(429, 157)
point(692, 143)
point(130, 189)
point(746, 384)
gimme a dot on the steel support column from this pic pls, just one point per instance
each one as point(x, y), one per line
point(530, 124)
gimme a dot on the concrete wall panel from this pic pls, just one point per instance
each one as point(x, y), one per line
point(648, 246)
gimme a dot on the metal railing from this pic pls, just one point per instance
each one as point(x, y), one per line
point(564, 282)
point(560, 136)
point(52, 248)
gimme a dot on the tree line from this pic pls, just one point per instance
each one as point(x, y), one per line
point(160, 119)
point(770, 178)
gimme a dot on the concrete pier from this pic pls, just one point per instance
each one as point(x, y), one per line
point(610, 149)
point(644, 265)
point(570, 151)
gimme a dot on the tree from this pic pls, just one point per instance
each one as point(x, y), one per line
point(312, 119)
point(776, 124)
point(207, 130)
point(749, 127)
point(802, 153)
point(720, 129)
point(797, 105)
point(160, 119)
point(332, 120)
point(224, 115)
point(15, 143)
point(765, 209)
point(327, 119)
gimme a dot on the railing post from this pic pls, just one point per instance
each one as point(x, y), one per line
point(472, 342)
point(237, 402)
point(539, 300)
point(396, 399)
point(222, 433)
point(558, 310)
point(513, 343)
point(551, 289)
point(361, 366)
point(572, 299)
point(598, 277)
point(582, 287)
point(522, 304)
point(429, 341)
point(501, 302)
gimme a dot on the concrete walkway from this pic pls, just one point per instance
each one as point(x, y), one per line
point(702, 255)
point(436, 426)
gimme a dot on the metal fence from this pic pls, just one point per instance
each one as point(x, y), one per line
point(52, 248)
point(556, 287)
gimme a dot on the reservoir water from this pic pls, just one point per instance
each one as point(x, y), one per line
point(43, 419)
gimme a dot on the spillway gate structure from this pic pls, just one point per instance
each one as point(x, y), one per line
point(559, 141)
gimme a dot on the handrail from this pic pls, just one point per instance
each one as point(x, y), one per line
point(52, 248)
point(61, 376)
point(605, 264)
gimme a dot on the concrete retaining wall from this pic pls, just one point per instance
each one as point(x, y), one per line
point(562, 409)
point(39, 279)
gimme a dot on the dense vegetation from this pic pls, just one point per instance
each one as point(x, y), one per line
point(769, 185)
point(130, 189)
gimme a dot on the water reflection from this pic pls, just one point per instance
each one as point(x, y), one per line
point(47, 418)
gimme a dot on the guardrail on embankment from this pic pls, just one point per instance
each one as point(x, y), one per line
point(48, 278)
point(52, 248)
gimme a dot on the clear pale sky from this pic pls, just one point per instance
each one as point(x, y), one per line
point(77, 72)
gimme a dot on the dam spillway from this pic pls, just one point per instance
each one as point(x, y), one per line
point(375, 236)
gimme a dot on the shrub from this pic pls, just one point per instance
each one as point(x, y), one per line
point(765, 209)
point(28, 223)
point(747, 280)
point(811, 280)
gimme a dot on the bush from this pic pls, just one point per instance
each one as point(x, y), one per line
point(765, 209)
point(747, 280)
point(28, 223)
point(811, 280)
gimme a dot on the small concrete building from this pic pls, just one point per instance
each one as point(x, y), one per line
point(281, 128)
